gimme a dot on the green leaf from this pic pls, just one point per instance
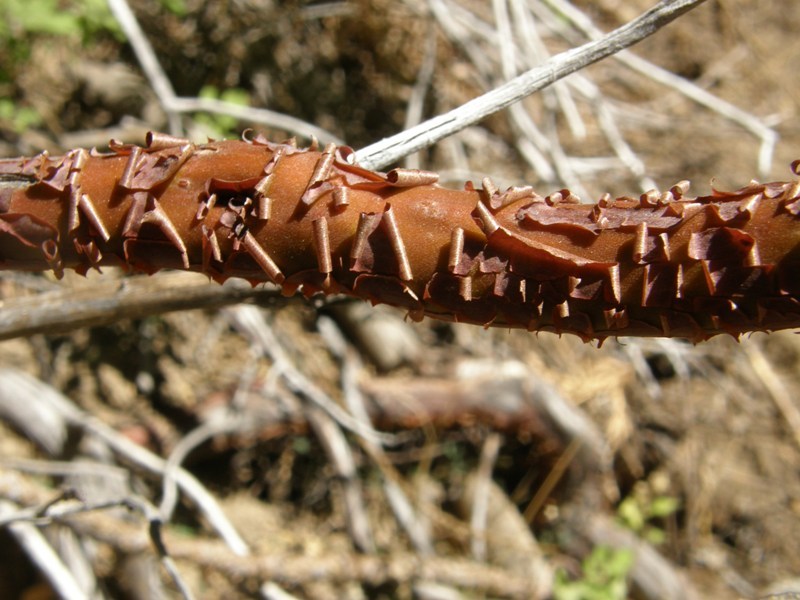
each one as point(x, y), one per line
point(663, 506)
point(631, 515)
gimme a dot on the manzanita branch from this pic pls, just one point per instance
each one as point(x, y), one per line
point(660, 265)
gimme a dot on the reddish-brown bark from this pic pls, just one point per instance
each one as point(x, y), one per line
point(659, 265)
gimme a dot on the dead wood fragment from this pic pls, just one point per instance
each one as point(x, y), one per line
point(109, 301)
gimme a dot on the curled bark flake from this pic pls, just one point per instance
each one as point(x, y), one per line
point(263, 208)
point(749, 205)
point(398, 246)
point(58, 175)
point(341, 197)
point(721, 243)
point(205, 206)
point(511, 195)
point(126, 181)
point(133, 218)
point(27, 229)
point(543, 216)
point(262, 258)
point(73, 214)
point(376, 288)
point(792, 192)
point(6, 194)
point(661, 285)
point(411, 177)
point(322, 245)
point(649, 249)
point(489, 187)
point(680, 189)
point(161, 141)
point(362, 259)
point(318, 184)
point(210, 248)
point(156, 216)
point(91, 253)
point(485, 219)
point(650, 198)
point(465, 289)
point(456, 249)
point(155, 168)
point(90, 212)
point(52, 255)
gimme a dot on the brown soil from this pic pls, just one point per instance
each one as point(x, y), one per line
point(709, 425)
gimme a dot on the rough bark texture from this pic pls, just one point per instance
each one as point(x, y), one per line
point(660, 265)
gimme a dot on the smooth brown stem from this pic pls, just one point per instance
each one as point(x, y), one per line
point(658, 265)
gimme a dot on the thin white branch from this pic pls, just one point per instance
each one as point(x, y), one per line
point(147, 59)
point(480, 498)
point(731, 112)
point(41, 553)
point(249, 321)
point(416, 103)
point(389, 150)
point(263, 116)
point(21, 387)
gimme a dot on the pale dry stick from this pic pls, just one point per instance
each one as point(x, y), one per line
point(65, 505)
point(62, 507)
point(169, 485)
point(290, 569)
point(42, 554)
point(533, 144)
point(148, 60)
point(272, 591)
point(15, 384)
point(562, 162)
point(480, 498)
point(416, 103)
point(520, 117)
point(401, 506)
point(603, 112)
point(731, 112)
point(389, 150)
point(249, 321)
point(456, 29)
point(175, 105)
point(771, 380)
point(57, 468)
point(262, 116)
point(427, 590)
point(341, 457)
point(109, 301)
point(552, 479)
point(457, 22)
point(505, 39)
point(621, 148)
point(535, 52)
point(155, 531)
point(323, 415)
